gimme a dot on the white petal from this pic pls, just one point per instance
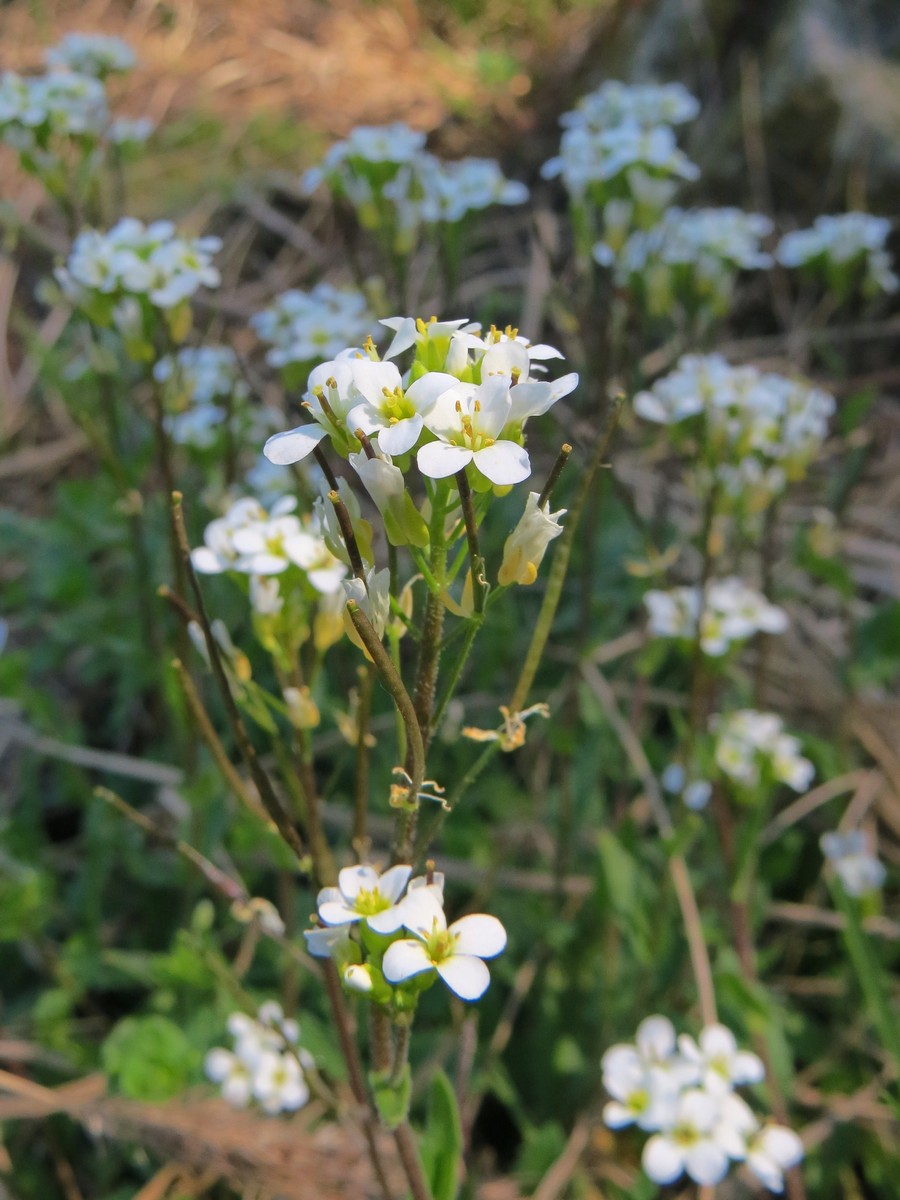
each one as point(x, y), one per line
point(437, 460)
point(282, 449)
point(206, 561)
point(399, 438)
point(706, 1162)
point(656, 1038)
point(219, 1064)
point(503, 463)
point(494, 400)
point(352, 880)
point(479, 934)
point(662, 1160)
point(466, 975)
point(370, 377)
point(425, 391)
point(716, 1041)
point(392, 883)
point(423, 913)
point(747, 1068)
point(404, 959)
point(388, 921)
point(617, 1116)
point(781, 1144)
point(334, 912)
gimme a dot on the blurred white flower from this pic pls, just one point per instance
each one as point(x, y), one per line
point(858, 869)
point(94, 54)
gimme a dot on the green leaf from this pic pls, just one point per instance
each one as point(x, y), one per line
point(441, 1145)
point(391, 1098)
point(149, 1058)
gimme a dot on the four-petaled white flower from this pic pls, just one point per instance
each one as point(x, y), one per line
point(690, 1144)
point(389, 410)
point(278, 1083)
point(468, 420)
point(720, 1064)
point(455, 952)
point(771, 1152)
point(364, 895)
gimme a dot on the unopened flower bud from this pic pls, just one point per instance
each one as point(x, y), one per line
point(526, 545)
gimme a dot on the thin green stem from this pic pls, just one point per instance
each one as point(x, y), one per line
point(267, 793)
point(560, 565)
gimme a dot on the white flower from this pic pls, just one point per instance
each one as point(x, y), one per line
point(615, 103)
point(225, 1068)
point(278, 1083)
point(468, 420)
point(94, 54)
point(364, 895)
point(306, 327)
point(771, 1152)
point(690, 1144)
point(132, 131)
point(837, 242)
point(456, 953)
point(445, 345)
point(148, 261)
point(748, 740)
point(330, 396)
point(389, 410)
point(721, 1065)
point(858, 869)
point(732, 612)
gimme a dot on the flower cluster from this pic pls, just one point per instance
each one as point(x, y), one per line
point(252, 541)
point(94, 54)
point(751, 746)
point(395, 184)
point(750, 431)
point(641, 104)
point(402, 941)
point(35, 110)
point(456, 407)
point(60, 122)
point(841, 251)
point(125, 276)
point(619, 153)
point(266, 1064)
point(202, 385)
point(728, 612)
point(690, 258)
point(308, 327)
point(682, 1092)
point(856, 866)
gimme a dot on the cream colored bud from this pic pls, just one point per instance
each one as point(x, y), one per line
point(526, 545)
